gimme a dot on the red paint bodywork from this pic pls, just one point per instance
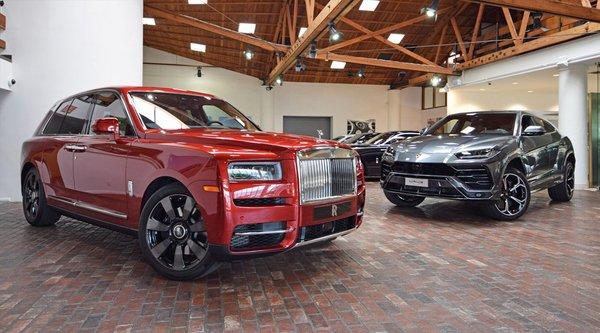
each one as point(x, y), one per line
point(194, 157)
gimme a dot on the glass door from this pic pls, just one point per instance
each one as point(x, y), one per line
point(594, 84)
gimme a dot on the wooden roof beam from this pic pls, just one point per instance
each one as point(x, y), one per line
point(555, 7)
point(539, 43)
point(409, 66)
point(203, 25)
point(332, 11)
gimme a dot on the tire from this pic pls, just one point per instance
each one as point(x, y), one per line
point(403, 200)
point(514, 200)
point(564, 191)
point(172, 235)
point(36, 210)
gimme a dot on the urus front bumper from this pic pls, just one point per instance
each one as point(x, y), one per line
point(450, 181)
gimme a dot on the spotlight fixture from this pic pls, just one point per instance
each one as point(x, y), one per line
point(537, 21)
point(300, 66)
point(431, 10)
point(312, 52)
point(199, 71)
point(361, 73)
point(248, 54)
point(436, 80)
point(334, 35)
point(279, 80)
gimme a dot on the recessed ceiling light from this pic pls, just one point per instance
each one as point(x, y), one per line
point(148, 21)
point(529, 91)
point(515, 83)
point(482, 89)
point(302, 31)
point(198, 47)
point(197, 2)
point(247, 28)
point(338, 65)
point(396, 38)
point(555, 75)
point(368, 5)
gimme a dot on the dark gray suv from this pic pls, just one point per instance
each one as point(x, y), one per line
point(494, 157)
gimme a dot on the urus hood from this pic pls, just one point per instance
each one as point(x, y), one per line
point(240, 140)
point(451, 143)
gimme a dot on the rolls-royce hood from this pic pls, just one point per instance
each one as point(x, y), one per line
point(449, 144)
point(275, 142)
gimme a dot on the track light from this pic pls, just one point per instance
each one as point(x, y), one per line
point(431, 10)
point(361, 73)
point(312, 52)
point(537, 21)
point(279, 80)
point(334, 35)
point(300, 66)
point(199, 71)
point(436, 80)
point(248, 54)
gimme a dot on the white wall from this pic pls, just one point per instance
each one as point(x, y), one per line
point(61, 47)
point(341, 101)
point(465, 100)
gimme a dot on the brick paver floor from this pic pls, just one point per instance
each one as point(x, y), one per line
point(440, 267)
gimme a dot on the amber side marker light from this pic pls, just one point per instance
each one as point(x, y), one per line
point(210, 188)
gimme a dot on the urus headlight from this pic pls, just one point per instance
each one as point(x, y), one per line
point(254, 171)
point(478, 153)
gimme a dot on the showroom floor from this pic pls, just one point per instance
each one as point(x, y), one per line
point(440, 267)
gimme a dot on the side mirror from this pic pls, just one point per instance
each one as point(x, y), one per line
point(534, 131)
point(106, 126)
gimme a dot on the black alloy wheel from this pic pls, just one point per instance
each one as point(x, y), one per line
point(36, 211)
point(173, 236)
point(564, 191)
point(514, 197)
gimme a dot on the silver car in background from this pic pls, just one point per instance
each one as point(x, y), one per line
point(497, 158)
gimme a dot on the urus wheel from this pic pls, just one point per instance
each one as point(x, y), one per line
point(564, 190)
point(514, 197)
point(35, 209)
point(401, 200)
point(173, 236)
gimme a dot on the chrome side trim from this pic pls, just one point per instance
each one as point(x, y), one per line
point(324, 238)
point(271, 232)
point(89, 207)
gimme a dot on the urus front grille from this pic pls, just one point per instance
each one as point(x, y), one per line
point(326, 173)
point(476, 177)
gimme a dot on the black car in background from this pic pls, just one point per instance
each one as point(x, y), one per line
point(360, 138)
point(371, 150)
point(497, 158)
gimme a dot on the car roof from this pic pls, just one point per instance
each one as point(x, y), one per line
point(517, 112)
point(128, 89)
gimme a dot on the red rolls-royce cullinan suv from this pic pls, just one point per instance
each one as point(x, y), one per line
point(190, 175)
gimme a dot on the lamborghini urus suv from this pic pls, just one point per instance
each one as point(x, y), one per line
point(495, 158)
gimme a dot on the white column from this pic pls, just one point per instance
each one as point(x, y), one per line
point(393, 110)
point(573, 117)
point(59, 48)
point(267, 112)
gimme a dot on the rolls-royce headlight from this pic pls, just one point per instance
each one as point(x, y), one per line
point(478, 153)
point(254, 171)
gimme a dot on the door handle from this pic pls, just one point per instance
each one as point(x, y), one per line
point(75, 148)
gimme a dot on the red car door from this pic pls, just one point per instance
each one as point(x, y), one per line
point(63, 132)
point(99, 169)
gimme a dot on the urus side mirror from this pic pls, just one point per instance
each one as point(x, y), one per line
point(106, 126)
point(534, 130)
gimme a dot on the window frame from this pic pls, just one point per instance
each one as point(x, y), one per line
point(433, 99)
point(118, 94)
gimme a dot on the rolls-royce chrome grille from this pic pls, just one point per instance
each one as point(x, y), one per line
point(326, 173)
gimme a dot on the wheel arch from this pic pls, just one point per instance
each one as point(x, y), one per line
point(26, 167)
point(517, 163)
point(156, 184)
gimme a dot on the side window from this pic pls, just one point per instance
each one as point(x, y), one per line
point(53, 125)
point(448, 127)
point(108, 104)
point(76, 115)
point(548, 127)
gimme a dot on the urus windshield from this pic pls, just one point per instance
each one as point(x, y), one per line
point(476, 123)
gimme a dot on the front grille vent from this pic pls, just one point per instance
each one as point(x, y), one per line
point(259, 202)
point(326, 229)
point(257, 241)
point(324, 175)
